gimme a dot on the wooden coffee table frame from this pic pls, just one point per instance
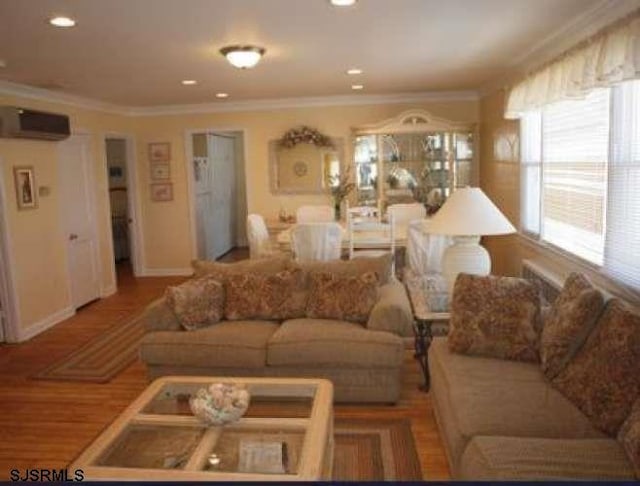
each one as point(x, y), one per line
point(316, 455)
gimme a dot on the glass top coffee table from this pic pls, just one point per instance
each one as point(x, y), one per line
point(286, 434)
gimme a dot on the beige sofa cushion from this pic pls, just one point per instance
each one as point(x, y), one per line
point(495, 316)
point(392, 312)
point(381, 266)
point(510, 458)
point(196, 303)
point(261, 266)
point(629, 437)
point(318, 342)
point(266, 297)
point(342, 297)
point(227, 344)
point(571, 318)
point(603, 379)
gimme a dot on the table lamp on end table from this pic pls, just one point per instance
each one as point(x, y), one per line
point(467, 215)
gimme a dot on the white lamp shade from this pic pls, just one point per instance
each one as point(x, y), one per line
point(468, 211)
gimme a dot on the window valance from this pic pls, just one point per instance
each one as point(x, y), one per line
point(607, 58)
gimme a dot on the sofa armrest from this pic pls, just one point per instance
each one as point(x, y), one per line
point(392, 312)
point(158, 317)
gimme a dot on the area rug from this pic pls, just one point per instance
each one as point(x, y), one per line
point(375, 450)
point(100, 359)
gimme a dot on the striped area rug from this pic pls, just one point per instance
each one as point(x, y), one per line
point(102, 358)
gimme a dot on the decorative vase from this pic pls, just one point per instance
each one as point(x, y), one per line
point(337, 211)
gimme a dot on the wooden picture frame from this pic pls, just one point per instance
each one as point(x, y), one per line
point(159, 152)
point(160, 171)
point(26, 193)
point(162, 191)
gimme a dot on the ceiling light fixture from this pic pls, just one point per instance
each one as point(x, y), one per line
point(3, 63)
point(62, 21)
point(243, 57)
point(354, 71)
point(189, 82)
point(357, 87)
point(343, 3)
point(222, 95)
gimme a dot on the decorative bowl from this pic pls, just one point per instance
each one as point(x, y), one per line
point(220, 403)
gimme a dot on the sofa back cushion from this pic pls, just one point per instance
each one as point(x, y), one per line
point(197, 303)
point(603, 379)
point(381, 266)
point(342, 297)
point(629, 437)
point(275, 296)
point(221, 271)
point(571, 318)
point(495, 316)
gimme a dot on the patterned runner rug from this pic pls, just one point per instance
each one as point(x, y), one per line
point(102, 358)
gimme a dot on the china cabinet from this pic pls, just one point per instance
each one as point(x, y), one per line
point(413, 157)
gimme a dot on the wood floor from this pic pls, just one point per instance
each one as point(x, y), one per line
point(46, 424)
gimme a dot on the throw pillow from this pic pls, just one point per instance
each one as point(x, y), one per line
point(345, 298)
point(602, 380)
point(270, 297)
point(570, 320)
point(381, 266)
point(629, 437)
point(196, 303)
point(494, 316)
point(262, 266)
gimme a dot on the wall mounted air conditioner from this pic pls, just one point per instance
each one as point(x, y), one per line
point(25, 123)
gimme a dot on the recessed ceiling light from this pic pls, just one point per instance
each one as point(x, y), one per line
point(357, 87)
point(189, 82)
point(343, 3)
point(354, 71)
point(62, 21)
point(3, 63)
point(243, 57)
point(222, 95)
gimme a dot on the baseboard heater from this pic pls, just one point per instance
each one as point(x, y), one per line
point(549, 282)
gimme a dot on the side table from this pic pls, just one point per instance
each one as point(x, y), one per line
point(423, 326)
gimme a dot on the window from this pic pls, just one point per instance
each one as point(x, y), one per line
point(580, 178)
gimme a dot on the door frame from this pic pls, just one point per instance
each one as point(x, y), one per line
point(136, 238)
point(8, 292)
point(191, 190)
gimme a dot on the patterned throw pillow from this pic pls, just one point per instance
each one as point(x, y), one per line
point(568, 324)
point(196, 303)
point(345, 298)
point(603, 379)
point(495, 316)
point(629, 437)
point(271, 297)
point(381, 266)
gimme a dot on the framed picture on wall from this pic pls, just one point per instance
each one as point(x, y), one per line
point(160, 171)
point(160, 152)
point(162, 191)
point(25, 187)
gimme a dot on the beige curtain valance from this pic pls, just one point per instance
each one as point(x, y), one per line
point(609, 57)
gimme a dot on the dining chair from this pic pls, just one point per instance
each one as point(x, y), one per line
point(315, 214)
point(259, 242)
point(377, 237)
point(404, 213)
point(425, 250)
point(316, 241)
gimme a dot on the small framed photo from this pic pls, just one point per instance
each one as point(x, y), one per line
point(25, 187)
point(160, 152)
point(162, 191)
point(160, 171)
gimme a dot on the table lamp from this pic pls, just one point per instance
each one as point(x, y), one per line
point(466, 215)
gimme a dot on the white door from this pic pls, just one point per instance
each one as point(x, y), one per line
point(223, 182)
point(78, 217)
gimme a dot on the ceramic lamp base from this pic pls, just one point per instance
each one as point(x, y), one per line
point(464, 256)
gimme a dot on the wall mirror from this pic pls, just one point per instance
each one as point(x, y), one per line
point(304, 168)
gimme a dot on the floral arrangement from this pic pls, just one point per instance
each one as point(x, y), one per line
point(220, 403)
point(341, 186)
point(305, 134)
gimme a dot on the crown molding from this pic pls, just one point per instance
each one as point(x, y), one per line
point(583, 26)
point(308, 102)
point(41, 94)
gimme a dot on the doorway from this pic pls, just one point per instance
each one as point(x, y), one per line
point(8, 304)
point(121, 205)
point(218, 191)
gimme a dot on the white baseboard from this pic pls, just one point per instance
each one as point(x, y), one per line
point(46, 323)
point(166, 272)
point(107, 291)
